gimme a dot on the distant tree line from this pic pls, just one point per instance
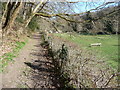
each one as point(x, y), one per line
point(104, 21)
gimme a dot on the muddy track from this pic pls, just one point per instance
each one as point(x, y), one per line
point(31, 69)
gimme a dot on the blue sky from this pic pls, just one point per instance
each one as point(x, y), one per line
point(91, 0)
point(86, 6)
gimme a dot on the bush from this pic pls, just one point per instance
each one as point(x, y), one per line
point(82, 69)
point(33, 25)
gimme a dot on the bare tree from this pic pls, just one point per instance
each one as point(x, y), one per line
point(33, 13)
point(12, 12)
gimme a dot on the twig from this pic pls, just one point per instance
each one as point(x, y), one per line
point(111, 77)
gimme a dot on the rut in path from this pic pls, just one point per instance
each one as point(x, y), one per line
point(31, 68)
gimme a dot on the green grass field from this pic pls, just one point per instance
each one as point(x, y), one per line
point(108, 49)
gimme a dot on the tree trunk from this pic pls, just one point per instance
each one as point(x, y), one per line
point(29, 19)
point(2, 21)
point(9, 8)
point(33, 13)
point(24, 11)
point(14, 16)
point(4, 12)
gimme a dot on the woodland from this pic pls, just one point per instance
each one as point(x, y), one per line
point(59, 44)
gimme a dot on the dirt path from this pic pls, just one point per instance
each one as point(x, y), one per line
point(31, 69)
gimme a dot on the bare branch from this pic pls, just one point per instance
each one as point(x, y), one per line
point(111, 77)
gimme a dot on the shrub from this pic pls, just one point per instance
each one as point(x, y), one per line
point(33, 25)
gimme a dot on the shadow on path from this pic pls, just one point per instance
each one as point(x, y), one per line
point(42, 72)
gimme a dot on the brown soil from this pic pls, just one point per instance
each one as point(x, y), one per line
point(31, 69)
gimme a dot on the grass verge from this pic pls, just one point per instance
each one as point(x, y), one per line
point(8, 57)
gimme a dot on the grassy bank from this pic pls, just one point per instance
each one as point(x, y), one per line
point(8, 57)
point(108, 49)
